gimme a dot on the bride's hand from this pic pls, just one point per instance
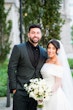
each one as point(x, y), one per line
point(40, 101)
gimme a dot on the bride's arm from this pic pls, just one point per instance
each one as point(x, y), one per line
point(57, 84)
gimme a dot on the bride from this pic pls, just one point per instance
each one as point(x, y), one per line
point(57, 74)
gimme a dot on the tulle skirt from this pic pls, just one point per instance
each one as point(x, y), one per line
point(58, 101)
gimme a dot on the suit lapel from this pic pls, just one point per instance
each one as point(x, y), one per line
point(30, 54)
point(42, 58)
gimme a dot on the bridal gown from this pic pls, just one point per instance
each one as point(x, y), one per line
point(58, 100)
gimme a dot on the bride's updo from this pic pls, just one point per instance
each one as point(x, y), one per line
point(55, 43)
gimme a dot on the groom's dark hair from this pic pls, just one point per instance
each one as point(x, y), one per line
point(34, 26)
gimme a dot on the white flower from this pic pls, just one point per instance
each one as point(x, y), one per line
point(32, 94)
point(38, 89)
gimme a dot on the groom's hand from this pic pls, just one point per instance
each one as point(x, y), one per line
point(14, 91)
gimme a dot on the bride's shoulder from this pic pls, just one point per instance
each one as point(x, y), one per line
point(57, 62)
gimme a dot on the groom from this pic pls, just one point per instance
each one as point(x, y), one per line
point(25, 63)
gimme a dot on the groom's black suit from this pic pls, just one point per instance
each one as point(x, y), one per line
point(21, 69)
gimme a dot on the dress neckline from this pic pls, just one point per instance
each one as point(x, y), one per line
point(54, 64)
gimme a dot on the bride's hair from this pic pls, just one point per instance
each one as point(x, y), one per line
point(55, 43)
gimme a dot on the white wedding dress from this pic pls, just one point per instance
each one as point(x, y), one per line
point(58, 100)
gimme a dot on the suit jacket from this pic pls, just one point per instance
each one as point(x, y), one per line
point(20, 68)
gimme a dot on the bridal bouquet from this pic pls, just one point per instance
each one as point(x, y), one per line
point(39, 90)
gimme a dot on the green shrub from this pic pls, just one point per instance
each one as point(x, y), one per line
point(5, 29)
point(70, 60)
point(3, 78)
point(72, 73)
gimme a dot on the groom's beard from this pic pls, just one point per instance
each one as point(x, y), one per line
point(34, 41)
